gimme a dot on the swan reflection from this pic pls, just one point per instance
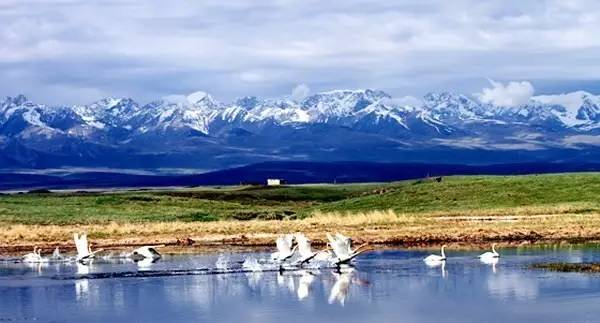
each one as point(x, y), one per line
point(284, 280)
point(145, 263)
point(340, 289)
point(254, 279)
point(304, 284)
point(438, 263)
point(82, 288)
point(491, 262)
point(84, 268)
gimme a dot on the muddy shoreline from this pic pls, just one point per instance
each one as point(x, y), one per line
point(245, 243)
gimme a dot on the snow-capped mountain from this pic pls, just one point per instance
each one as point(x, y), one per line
point(341, 124)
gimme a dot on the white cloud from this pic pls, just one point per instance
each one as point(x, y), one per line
point(146, 49)
point(572, 101)
point(300, 92)
point(507, 95)
point(251, 77)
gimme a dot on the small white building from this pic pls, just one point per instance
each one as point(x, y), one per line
point(275, 181)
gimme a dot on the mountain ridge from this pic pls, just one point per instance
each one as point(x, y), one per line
point(252, 129)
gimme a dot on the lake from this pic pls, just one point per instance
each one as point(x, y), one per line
point(392, 285)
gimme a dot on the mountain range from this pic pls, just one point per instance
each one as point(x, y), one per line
point(199, 132)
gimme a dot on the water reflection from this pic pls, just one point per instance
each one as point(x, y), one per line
point(340, 289)
point(286, 280)
point(491, 262)
point(82, 289)
point(512, 285)
point(382, 287)
point(254, 278)
point(441, 264)
point(145, 263)
point(304, 284)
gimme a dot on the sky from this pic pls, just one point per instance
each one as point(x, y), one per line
point(76, 52)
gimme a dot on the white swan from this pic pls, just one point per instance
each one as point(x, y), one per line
point(84, 251)
point(56, 254)
point(305, 250)
point(490, 255)
point(342, 248)
point(436, 258)
point(146, 252)
point(33, 257)
point(285, 248)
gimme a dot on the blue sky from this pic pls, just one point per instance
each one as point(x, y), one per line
point(66, 51)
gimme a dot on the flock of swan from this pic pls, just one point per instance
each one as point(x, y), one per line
point(293, 252)
point(489, 257)
point(338, 252)
point(85, 253)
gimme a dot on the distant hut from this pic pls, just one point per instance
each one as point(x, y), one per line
point(275, 181)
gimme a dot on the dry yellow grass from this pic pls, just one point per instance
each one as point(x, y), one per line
point(559, 222)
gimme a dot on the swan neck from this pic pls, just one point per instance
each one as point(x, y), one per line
point(443, 253)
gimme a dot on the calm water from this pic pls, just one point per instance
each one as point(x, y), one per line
point(385, 286)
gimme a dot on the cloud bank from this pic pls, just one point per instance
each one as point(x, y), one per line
point(509, 95)
point(67, 51)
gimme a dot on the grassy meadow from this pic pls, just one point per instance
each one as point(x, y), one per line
point(555, 206)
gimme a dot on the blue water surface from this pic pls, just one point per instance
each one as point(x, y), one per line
point(384, 286)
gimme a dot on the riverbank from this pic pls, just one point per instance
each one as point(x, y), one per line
point(526, 225)
point(478, 209)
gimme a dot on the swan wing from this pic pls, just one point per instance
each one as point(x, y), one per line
point(344, 241)
point(80, 245)
point(284, 244)
point(304, 248)
point(339, 247)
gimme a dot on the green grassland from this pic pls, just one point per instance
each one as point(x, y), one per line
point(455, 195)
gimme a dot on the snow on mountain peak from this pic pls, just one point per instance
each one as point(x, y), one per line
point(198, 96)
point(572, 109)
point(362, 110)
point(18, 100)
point(571, 101)
point(446, 105)
point(248, 102)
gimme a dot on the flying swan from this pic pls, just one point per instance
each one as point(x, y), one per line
point(84, 251)
point(305, 250)
point(342, 248)
point(285, 248)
